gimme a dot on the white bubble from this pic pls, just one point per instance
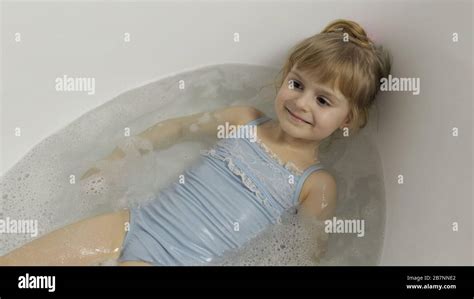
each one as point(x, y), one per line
point(291, 242)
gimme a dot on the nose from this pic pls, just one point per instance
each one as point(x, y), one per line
point(302, 103)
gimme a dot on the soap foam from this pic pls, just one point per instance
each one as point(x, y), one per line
point(293, 242)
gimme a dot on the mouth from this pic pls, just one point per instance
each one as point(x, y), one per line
point(297, 118)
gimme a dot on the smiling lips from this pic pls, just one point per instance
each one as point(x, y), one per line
point(296, 116)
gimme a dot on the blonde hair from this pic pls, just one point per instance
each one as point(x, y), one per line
point(343, 56)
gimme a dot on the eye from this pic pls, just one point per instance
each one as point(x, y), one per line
point(295, 83)
point(323, 101)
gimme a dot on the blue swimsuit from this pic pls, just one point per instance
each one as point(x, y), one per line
point(235, 191)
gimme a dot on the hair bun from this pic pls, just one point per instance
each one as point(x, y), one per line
point(354, 30)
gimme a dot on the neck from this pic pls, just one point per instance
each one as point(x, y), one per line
point(301, 147)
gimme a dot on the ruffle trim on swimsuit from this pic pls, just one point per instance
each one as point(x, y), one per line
point(288, 165)
point(247, 181)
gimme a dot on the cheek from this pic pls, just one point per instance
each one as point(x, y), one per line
point(330, 121)
point(283, 96)
point(280, 99)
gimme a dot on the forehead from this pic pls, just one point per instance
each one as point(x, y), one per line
point(335, 93)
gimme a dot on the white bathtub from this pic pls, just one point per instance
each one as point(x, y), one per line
point(428, 217)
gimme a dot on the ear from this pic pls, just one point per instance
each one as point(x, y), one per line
point(347, 121)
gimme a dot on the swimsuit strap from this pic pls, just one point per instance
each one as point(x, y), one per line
point(306, 173)
point(257, 121)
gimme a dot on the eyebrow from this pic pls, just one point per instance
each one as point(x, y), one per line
point(324, 89)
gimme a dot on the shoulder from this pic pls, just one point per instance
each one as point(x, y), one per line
point(239, 115)
point(321, 176)
point(321, 194)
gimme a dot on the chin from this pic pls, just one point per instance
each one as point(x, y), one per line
point(290, 129)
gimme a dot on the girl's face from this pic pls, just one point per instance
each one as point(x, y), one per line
point(308, 110)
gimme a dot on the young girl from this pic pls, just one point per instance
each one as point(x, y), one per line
point(239, 187)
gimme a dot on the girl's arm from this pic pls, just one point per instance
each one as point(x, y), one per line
point(192, 127)
point(195, 126)
point(320, 204)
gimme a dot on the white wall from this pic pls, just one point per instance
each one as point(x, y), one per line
point(86, 40)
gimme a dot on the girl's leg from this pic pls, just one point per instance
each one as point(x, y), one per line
point(86, 242)
point(133, 263)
